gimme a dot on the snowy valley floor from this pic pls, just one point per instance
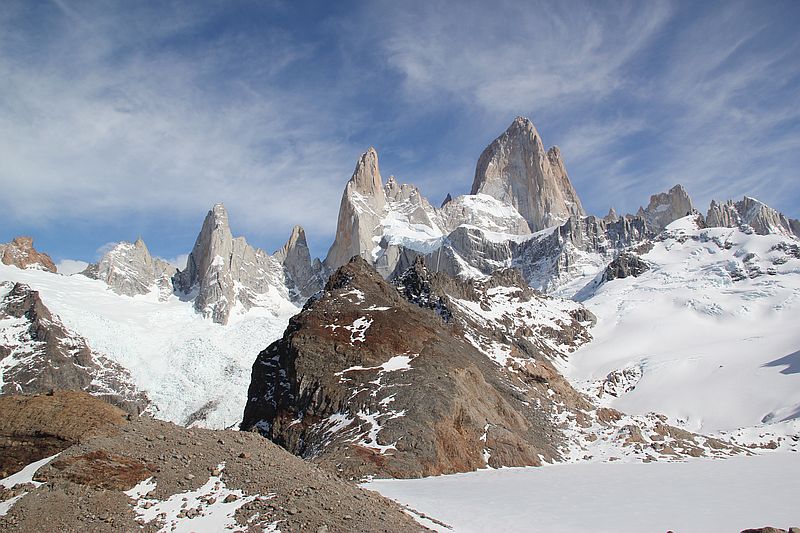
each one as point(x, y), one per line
point(692, 496)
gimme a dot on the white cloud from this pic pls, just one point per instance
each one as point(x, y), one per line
point(107, 121)
point(70, 266)
point(103, 116)
point(178, 261)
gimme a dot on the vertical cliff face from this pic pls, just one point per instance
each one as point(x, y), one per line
point(360, 212)
point(129, 269)
point(516, 169)
point(223, 271)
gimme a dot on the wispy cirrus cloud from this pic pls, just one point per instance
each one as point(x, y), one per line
point(137, 118)
point(118, 113)
point(640, 96)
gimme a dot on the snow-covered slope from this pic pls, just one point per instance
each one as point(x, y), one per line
point(694, 496)
point(708, 336)
point(192, 369)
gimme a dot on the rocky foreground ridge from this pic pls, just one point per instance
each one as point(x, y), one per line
point(116, 473)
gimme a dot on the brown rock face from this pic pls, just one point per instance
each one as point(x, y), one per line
point(35, 427)
point(82, 487)
point(439, 375)
point(99, 469)
point(368, 383)
point(21, 253)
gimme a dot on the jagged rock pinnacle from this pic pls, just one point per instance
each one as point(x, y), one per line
point(360, 211)
point(666, 207)
point(516, 170)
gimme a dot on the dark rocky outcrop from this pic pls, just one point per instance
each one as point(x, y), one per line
point(624, 265)
point(39, 354)
point(369, 383)
point(21, 253)
point(436, 375)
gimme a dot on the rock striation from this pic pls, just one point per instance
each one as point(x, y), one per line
point(21, 253)
point(516, 169)
point(666, 207)
point(223, 272)
point(763, 219)
point(129, 269)
point(39, 354)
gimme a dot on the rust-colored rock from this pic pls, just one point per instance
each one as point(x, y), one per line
point(98, 469)
point(21, 253)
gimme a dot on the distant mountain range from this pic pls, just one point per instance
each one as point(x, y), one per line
point(441, 339)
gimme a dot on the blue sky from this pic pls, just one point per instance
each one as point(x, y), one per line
point(129, 119)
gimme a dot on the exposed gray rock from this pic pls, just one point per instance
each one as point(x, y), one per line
point(666, 207)
point(624, 265)
point(370, 211)
point(360, 212)
point(547, 260)
point(484, 212)
point(39, 354)
point(516, 170)
point(750, 212)
point(21, 253)
point(612, 216)
point(559, 256)
point(129, 269)
point(446, 200)
point(222, 270)
point(304, 276)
